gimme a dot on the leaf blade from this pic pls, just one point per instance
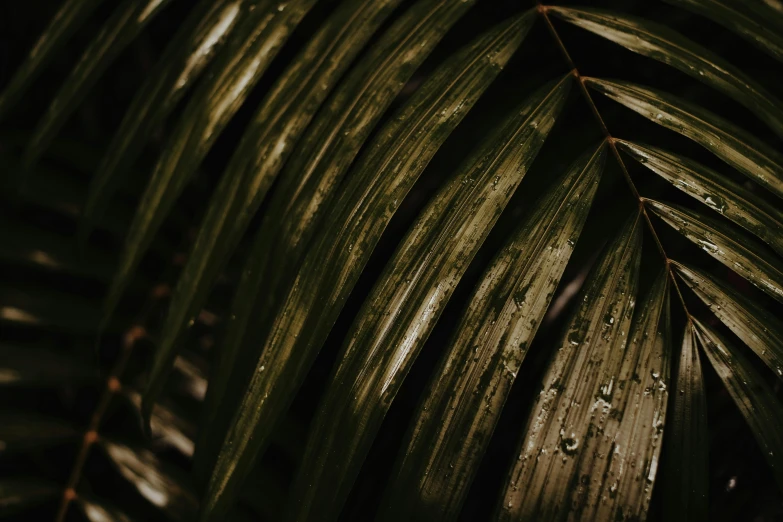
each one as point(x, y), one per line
point(717, 192)
point(685, 494)
point(190, 51)
point(753, 396)
point(729, 14)
point(454, 423)
point(283, 116)
point(757, 328)
point(737, 251)
point(748, 155)
point(240, 64)
point(537, 485)
point(65, 22)
point(407, 301)
point(665, 45)
point(125, 24)
point(388, 172)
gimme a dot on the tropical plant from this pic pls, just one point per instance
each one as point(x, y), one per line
point(392, 259)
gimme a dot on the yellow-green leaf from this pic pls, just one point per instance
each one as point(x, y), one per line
point(738, 148)
point(453, 425)
point(757, 327)
point(734, 201)
point(578, 390)
point(737, 251)
point(686, 484)
point(670, 47)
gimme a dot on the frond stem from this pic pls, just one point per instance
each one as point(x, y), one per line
point(542, 10)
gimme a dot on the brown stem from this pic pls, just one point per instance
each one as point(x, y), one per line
point(542, 10)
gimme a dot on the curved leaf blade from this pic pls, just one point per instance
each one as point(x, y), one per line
point(729, 14)
point(240, 64)
point(202, 34)
point(147, 474)
point(737, 251)
point(392, 166)
point(66, 21)
point(757, 328)
point(665, 45)
point(632, 436)
point(18, 494)
point(685, 491)
point(717, 192)
point(733, 145)
point(407, 301)
point(385, 174)
point(125, 24)
point(99, 512)
point(577, 390)
point(453, 425)
point(265, 146)
point(753, 396)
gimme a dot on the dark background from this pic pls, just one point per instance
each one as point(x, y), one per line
point(741, 485)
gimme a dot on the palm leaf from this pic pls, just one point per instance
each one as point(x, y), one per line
point(456, 419)
point(685, 495)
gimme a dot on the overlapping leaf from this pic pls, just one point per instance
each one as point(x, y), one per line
point(739, 252)
point(670, 47)
point(757, 327)
point(407, 301)
point(454, 423)
point(714, 190)
point(245, 56)
point(309, 182)
point(125, 24)
point(382, 178)
point(686, 484)
point(99, 512)
point(753, 396)
point(266, 145)
point(578, 389)
point(733, 15)
point(190, 51)
point(65, 22)
point(148, 475)
point(738, 148)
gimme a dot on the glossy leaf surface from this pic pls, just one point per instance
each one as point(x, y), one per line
point(577, 389)
point(730, 14)
point(146, 473)
point(737, 251)
point(265, 147)
point(685, 490)
point(408, 299)
point(738, 148)
point(310, 181)
point(453, 425)
point(65, 22)
point(382, 178)
point(755, 398)
point(757, 327)
point(670, 47)
point(719, 193)
point(125, 24)
point(243, 59)
point(181, 64)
